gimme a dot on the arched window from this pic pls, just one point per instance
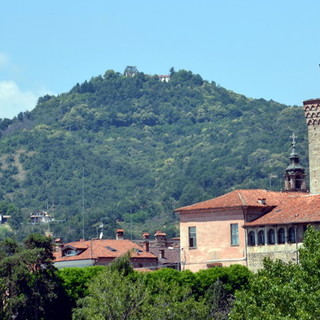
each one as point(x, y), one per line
point(292, 235)
point(271, 237)
point(251, 238)
point(261, 240)
point(281, 236)
point(298, 182)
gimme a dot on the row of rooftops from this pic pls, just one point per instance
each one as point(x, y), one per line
point(100, 248)
point(160, 251)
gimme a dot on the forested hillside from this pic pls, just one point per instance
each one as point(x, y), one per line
point(127, 150)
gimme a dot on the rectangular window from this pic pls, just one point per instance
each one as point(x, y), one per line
point(234, 228)
point(192, 237)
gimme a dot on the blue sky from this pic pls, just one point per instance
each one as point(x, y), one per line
point(262, 49)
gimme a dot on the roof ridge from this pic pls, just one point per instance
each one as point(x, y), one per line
point(241, 197)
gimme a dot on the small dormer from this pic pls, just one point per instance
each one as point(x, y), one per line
point(69, 251)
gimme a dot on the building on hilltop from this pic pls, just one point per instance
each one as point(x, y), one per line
point(40, 217)
point(246, 226)
point(164, 77)
point(4, 218)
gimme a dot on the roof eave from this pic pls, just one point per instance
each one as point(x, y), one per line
point(224, 208)
point(206, 210)
point(279, 223)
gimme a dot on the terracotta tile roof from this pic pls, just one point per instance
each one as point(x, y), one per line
point(241, 198)
point(95, 249)
point(304, 208)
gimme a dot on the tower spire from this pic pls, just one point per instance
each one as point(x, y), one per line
point(294, 179)
point(293, 143)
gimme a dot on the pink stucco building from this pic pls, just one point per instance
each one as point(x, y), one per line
point(246, 226)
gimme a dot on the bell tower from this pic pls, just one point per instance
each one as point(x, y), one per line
point(295, 177)
point(312, 114)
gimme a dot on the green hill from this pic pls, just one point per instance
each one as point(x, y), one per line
point(127, 151)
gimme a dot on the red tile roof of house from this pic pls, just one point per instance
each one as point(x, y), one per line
point(285, 207)
point(302, 209)
point(241, 198)
point(104, 248)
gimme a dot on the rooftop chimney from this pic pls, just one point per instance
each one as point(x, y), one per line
point(145, 236)
point(161, 239)
point(161, 254)
point(119, 234)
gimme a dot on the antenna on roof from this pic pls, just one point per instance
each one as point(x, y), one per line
point(83, 235)
point(271, 176)
point(101, 232)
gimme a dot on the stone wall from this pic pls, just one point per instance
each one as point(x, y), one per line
point(284, 252)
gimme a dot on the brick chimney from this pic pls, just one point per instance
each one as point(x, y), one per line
point(161, 239)
point(58, 244)
point(119, 234)
point(146, 236)
point(161, 254)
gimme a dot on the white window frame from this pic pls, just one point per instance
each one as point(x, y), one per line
point(234, 234)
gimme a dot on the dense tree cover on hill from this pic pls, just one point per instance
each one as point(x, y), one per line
point(127, 151)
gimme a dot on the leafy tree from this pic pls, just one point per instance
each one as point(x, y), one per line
point(219, 301)
point(113, 295)
point(174, 302)
point(75, 281)
point(235, 277)
point(117, 294)
point(284, 291)
point(130, 71)
point(29, 286)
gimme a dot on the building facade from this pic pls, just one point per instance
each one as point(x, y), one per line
point(244, 227)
